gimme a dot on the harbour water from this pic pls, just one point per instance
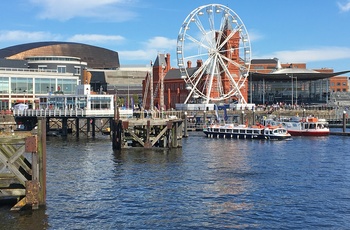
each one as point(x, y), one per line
point(302, 183)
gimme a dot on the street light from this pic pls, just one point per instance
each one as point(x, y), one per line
point(128, 92)
point(296, 90)
point(242, 117)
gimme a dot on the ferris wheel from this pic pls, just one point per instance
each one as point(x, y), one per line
point(216, 41)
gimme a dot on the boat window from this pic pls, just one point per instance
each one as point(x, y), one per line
point(312, 126)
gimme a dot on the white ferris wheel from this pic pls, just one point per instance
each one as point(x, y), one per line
point(215, 41)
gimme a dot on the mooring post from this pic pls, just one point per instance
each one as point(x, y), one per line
point(64, 126)
point(116, 135)
point(148, 143)
point(344, 121)
point(42, 159)
point(185, 124)
point(93, 121)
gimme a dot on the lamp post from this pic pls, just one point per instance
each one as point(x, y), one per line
point(296, 89)
point(24, 91)
point(344, 121)
point(253, 116)
point(242, 117)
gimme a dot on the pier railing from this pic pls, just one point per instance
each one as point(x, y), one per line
point(123, 114)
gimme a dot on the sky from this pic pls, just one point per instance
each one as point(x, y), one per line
point(294, 31)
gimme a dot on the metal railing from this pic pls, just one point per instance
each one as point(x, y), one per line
point(95, 113)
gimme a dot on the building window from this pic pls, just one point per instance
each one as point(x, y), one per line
point(77, 70)
point(61, 69)
point(42, 67)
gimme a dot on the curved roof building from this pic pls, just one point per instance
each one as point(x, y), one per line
point(95, 57)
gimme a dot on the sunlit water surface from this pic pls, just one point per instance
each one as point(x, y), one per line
point(303, 183)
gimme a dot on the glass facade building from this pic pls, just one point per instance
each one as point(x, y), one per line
point(42, 75)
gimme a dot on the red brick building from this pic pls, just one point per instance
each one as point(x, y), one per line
point(339, 84)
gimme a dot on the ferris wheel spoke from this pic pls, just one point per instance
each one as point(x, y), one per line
point(211, 19)
point(211, 77)
point(199, 73)
point(196, 56)
point(228, 74)
point(231, 61)
point(203, 32)
point(233, 32)
point(189, 37)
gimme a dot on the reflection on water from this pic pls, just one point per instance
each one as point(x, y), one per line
point(26, 219)
point(208, 184)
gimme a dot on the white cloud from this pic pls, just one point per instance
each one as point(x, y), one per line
point(344, 7)
point(160, 43)
point(96, 38)
point(255, 35)
point(311, 55)
point(111, 10)
point(25, 36)
point(149, 50)
point(144, 55)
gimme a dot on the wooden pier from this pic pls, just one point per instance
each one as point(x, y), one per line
point(23, 168)
point(145, 129)
point(148, 133)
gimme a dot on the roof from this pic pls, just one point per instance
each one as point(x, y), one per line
point(160, 60)
point(95, 57)
point(288, 73)
point(264, 61)
point(175, 73)
point(278, 75)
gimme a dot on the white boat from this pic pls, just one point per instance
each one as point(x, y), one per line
point(296, 126)
point(245, 132)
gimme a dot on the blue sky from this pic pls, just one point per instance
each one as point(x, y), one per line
point(311, 31)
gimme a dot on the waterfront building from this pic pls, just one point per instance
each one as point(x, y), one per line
point(28, 71)
point(31, 70)
point(269, 82)
point(24, 85)
point(290, 83)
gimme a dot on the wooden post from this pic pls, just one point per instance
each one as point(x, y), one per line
point(93, 120)
point(185, 124)
point(116, 134)
point(148, 143)
point(344, 121)
point(77, 127)
point(42, 159)
point(64, 126)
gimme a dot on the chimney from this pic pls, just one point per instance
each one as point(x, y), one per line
point(189, 64)
point(168, 61)
point(278, 64)
point(199, 63)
